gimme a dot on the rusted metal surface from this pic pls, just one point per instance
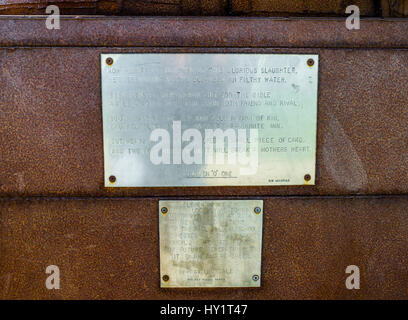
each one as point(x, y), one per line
point(197, 7)
point(51, 125)
point(368, 8)
point(203, 32)
point(300, 7)
point(29, 7)
point(51, 145)
point(175, 7)
point(108, 249)
point(124, 7)
point(394, 8)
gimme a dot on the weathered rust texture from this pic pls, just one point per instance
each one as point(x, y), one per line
point(390, 8)
point(203, 32)
point(51, 144)
point(176, 7)
point(152, 7)
point(199, 7)
point(51, 128)
point(125, 7)
point(301, 7)
point(32, 7)
point(394, 8)
point(108, 249)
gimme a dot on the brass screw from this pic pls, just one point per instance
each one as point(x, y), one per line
point(307, 177)
point(109, 61)
point(164, 210)
point(255, 277)
point(112, 179)
point(166, 278)
point(257, 210)
point(310, 62)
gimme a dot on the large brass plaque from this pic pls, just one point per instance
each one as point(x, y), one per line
point(209, 119)
point(210, 243)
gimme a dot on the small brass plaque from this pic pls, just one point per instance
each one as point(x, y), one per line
point(209, 119)
point(210, 243)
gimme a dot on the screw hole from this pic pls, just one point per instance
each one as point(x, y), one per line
point(166, 278)
point(257, 210)
point(109, 61)
point(310, 62)
point(255, 277)
point(307, 177)
point(112, 179)
point(164, 210)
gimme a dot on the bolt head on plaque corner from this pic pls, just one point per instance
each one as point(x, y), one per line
point(210, 243)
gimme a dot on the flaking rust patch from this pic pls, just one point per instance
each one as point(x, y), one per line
point(210, 243)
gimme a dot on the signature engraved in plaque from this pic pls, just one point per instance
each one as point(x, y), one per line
point(210, 243)
point(209, 119)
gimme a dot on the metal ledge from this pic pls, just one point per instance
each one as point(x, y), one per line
point(102, 31)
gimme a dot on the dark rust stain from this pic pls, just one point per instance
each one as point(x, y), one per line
point(204, 7)
point(66, 7)
point(394, 8)
point(300, 7)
